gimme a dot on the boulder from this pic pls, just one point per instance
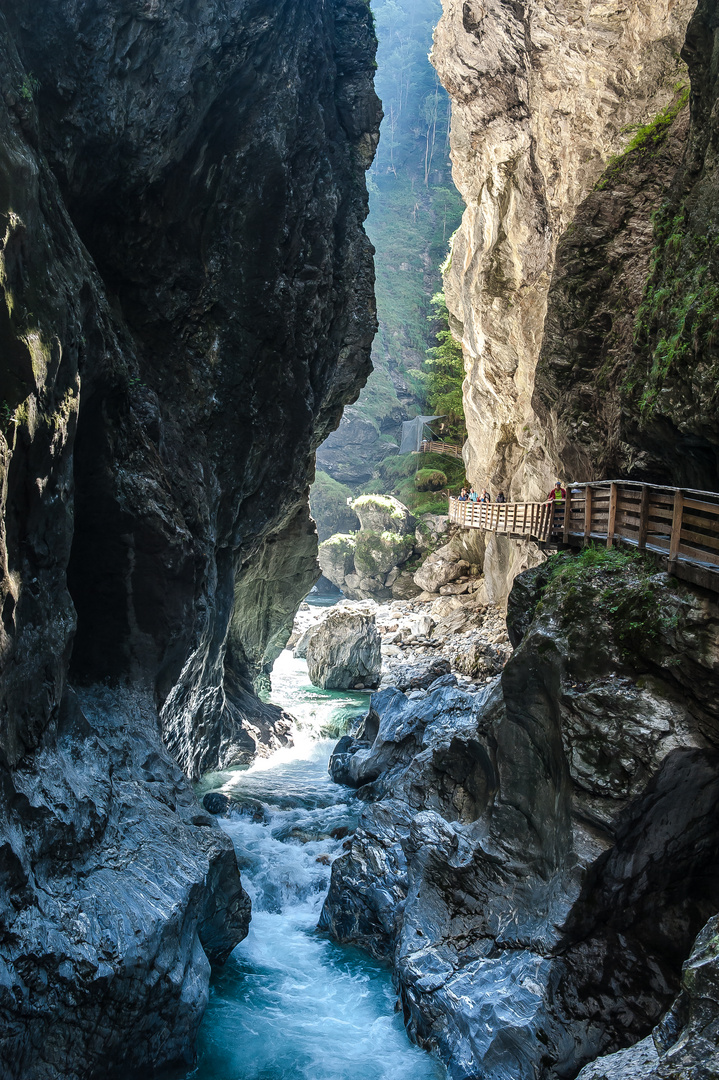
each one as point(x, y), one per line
point(376, 554)
point(344, 650)
point(384, 513)
point(404, 587)
point(456, 588)
point(423, 626)
point(421, 676)
point(336, 558)
point(439, 569)
point(215, 802)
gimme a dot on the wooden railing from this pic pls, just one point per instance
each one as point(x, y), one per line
point(678, 526)
point(440, 448)
point(532, 521)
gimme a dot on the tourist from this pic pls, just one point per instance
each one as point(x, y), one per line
point(557, 494)
point(486, 497)
point(473, 496)
point(501, 498)
point(463, 495)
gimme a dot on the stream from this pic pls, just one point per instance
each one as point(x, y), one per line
point(290, 1004)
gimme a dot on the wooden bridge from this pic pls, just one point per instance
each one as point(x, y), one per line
point(449, 449)
point(678, 526)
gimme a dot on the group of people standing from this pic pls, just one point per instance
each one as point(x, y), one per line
point(558, 494)
point(470, 495)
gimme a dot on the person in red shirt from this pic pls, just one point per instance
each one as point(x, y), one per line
point(558, 494)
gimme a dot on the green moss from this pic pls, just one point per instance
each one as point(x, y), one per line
point(677, 322)
point(378, 502)
point(615, 587)
point(430, 480)
point(648, 138)
point(378, 553)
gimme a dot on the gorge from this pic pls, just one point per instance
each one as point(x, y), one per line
point(510, 870)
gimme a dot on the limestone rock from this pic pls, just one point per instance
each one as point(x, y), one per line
point(336, 558)
point(540, 854)
point(345, 650)
point(530, 139)
point(191, 298)
point(367, 564)
point(404, 586)
point(384, 513)
point(423, 626)
point(440, 568)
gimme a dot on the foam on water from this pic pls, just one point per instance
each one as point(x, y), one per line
point(290, 1004)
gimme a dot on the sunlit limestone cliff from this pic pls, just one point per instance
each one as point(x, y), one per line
point(543, 95)
point(187, 304)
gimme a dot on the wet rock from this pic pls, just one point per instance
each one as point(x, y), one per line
point(215, 802)
point(540, 853)
point(345, 649)
point(421, 676)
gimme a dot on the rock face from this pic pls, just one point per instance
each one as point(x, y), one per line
point(537, 859)
point(368, 564)
point(542, 95)
point(344, 650)
point(186, 306)
point(626, 378)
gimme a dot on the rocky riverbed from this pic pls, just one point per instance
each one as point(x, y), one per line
point(423, 639)
point(537, 856)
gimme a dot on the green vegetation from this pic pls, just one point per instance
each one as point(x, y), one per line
point(397, 476)
point(430, 480)
point(617, 586)
point(678, 320)
point(328, 505)
point(378, 553)
point(29, 88)
point(648, 138)
point(445, 374)
point(378, 501)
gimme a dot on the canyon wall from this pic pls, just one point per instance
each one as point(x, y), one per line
point(627, 376)
point(543, 94)
point(187, 304)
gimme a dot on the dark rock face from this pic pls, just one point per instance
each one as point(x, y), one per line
point(186, 305)
point(536, 860)
point(626, 381)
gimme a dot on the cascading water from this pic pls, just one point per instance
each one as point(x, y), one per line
point(291, 1004)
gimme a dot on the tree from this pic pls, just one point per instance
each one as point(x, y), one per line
point(444, 373)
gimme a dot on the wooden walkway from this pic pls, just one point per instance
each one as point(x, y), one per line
point(679, 527)
point(449, 449)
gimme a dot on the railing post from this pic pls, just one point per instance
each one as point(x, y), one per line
point(587, 515)
point(676, 527)
point(612, 514)
point(643, 519)
point(567, 509)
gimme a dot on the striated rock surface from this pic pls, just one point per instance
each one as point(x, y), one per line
point(542, 95)
point(536, 859)
point(627, 376)
point(367, 565)
point(343, 650)
point(186, 304)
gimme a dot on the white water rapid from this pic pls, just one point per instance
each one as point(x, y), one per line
point(290, 1004)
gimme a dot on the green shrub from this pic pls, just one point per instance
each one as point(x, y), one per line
point(430, 480)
